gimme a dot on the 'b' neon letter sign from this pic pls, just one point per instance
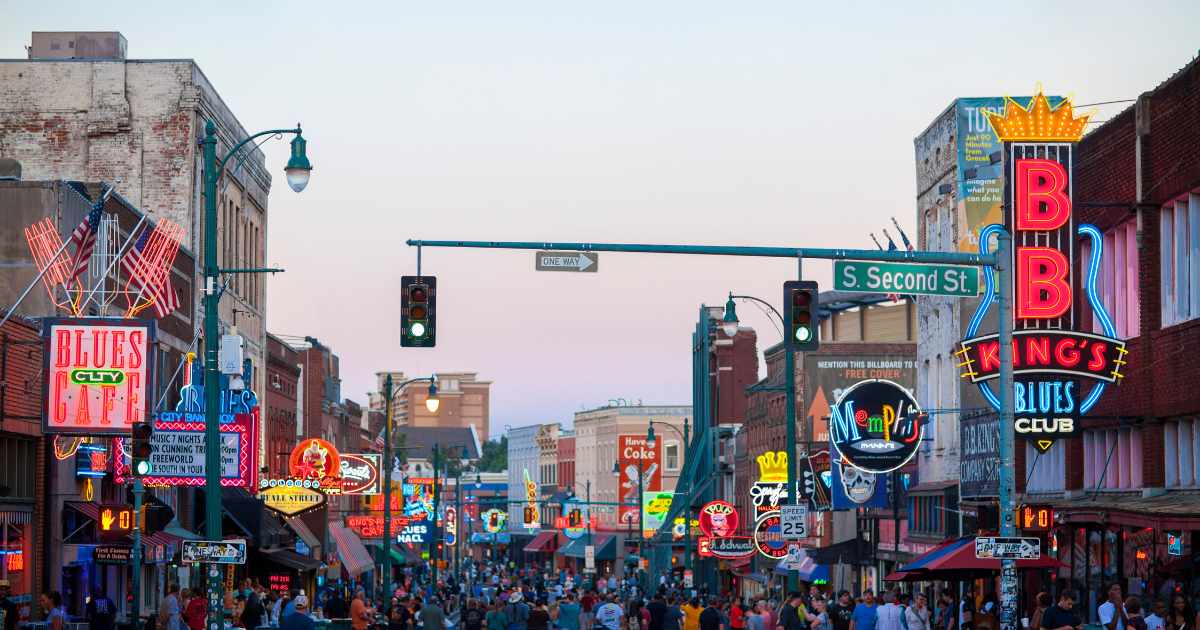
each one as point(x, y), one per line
point(1041, 204)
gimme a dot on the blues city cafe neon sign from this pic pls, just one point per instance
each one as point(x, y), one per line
point(1050, 357)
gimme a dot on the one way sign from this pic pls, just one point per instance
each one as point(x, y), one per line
point(1007, 548)
point(567, 261)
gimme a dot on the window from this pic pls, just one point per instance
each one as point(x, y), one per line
point(1181, 443)
point(926, 514)
point(1112, 459)
point(1045, 472)
point(671, 455)
point(1117, 281)
point(1179, 233)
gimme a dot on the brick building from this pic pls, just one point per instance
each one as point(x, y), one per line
point(465, 401)
point(23, 453)
point(566, 462)
point(281, 404)
point(98, 116)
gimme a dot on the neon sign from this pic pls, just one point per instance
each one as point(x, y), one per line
point(1049, 356)
point(96, 374)
point(318, 460)
point(718, 519)
point(179, 450)
point(1036, 518)
point(533, 518)
point(771, 488)
point(875, 426)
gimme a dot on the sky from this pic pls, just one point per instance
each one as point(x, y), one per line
point(689, 122)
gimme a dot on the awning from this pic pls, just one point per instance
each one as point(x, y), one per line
point(606, 547)
point(90, 510)
point(956, 558)
point(756, 577)
point(15, 515)
point(544, 542)
point(303, 531)
point(898, 576)
point(291, 559)
point(853, 552)
point(400, 554)
point(350, 549)
point(175, 529)
point(809, 572)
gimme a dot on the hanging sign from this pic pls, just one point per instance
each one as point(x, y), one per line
point(114, 523)
point(494, 521)
point(178, 458)
point(290, 497)
point(1051, 357)
point(315, 459)
point(214, 551)
point(97, 374)
point(576, 519)
point(655, 506)
point(1174, 543)
point(533, 518)
point(360, 473)
point(636, 460)
point(875, 426)
point(730, 547)
point(770, 491)
point(450, 528)
point(718, 519)
point(91, 460)
point(768, 536)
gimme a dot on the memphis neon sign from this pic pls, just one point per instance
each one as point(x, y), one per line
point(1049, 357)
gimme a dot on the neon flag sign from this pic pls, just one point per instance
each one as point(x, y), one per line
point(1049, 356)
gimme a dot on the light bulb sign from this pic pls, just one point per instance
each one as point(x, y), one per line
point(1050, 356)
point(875, 426)
point(532, 517)
point(96, 374)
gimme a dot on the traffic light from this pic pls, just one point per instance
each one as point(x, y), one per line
point(418, 311)
point(800, 301)
point(140, 448)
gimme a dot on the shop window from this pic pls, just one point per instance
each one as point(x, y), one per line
point(1179, 231)
point(18, 461)
point(1117, 280)
point(1181, 443)
point(1112, 459)
point(671, 455)
point(1045, 472)
point(926, 515)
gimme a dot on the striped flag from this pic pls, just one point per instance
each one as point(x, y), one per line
point(84, 239)
point(160, 291)
point(907, 243)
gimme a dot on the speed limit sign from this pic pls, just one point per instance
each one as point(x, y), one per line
point(793, 522)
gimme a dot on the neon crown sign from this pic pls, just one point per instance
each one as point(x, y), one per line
point(1049, 355)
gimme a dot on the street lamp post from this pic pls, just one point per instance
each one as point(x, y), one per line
point(651, 439)
point(729, 324)
point(298, 170)
point(432, 403)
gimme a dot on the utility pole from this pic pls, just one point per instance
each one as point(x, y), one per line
point(387, 490)
point(1008, 509)
point(436, 534)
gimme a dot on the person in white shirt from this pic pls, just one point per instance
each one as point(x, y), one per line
point(1154, 621)
point(888, 615)
point(1112, 612)
point(917, 615)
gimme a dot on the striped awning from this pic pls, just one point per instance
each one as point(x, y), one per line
point(15, 517)
point(350, 549)
point(304, 532)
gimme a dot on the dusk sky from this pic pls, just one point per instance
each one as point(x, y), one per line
point(770, 123)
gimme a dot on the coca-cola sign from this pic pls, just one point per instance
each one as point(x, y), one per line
point(360, 473)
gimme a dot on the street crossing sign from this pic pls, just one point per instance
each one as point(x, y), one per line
point(793, 522)
point(588, 262)
point(906, 278)
point(215, 551)
point(1007, 548)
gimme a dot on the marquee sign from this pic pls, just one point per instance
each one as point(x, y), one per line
point(290, 497)
point(875, 426)
point(97, 374)
point(179, 455)
point(718, 519)
point(1050, 357)
point(360, 473)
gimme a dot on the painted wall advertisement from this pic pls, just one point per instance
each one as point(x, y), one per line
point(832, 375)
point(636, 459)
point(97, 374)
point(978, 466)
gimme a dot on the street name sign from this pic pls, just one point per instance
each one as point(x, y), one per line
point(906, 278)
point(215, 551)
point(794, 521)
point(567, 261)
point(1007, 548)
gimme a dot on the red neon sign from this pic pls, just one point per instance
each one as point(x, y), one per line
point(1046, 351)
point(1041, 205)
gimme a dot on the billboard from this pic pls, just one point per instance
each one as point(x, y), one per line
point(178, 458)
point(831, 375)
point(978, 464)
point(97, 374)
point(635, 458)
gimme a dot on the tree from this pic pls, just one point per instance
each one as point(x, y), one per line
point(495, 455)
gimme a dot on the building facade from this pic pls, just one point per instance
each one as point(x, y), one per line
point(282, 402)
point(465, 401)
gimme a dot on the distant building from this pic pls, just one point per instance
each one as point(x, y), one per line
point(281, 404)
point(523, 465)
point(464, 401)
point(566, 461)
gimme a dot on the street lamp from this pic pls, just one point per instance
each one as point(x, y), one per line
point(651, 441)
point(389, 391)
point(298, 170)
point(729, 323)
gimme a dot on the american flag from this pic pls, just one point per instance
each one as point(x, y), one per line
point(160, 291)
point(84, 239)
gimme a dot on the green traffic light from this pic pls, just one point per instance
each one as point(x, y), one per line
point(803, 334)
point(143, 468)
point(417, 329)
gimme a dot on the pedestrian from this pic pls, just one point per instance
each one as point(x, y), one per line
point(56, 615)
point(710, 617)
point(658, 610)
point(966, 611)
point(570, 613)
point(517, 611)
point(864, 616)
point(169, 613)
point(888, 615)
point(819, 618)
point(673, 620)
point(539, 616)
point(1133, 610)
point(496, 619)
point(298, 619)
point(609, 614)
point(1061, 616)
point(472, 617)
point(793, 615)
point(252, 612)
point(101, 612)
point(917, 615)
point(1180, 616)
point(1040, 604)
point(737, 615)
point(360, 613)
point(1112, 612)
point(842, 611)
point(431, 616)
point(195, 611)
point(1156, 620)
point(691, 614)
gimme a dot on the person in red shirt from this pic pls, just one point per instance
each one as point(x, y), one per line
point(737, 616)
point(587, 604)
